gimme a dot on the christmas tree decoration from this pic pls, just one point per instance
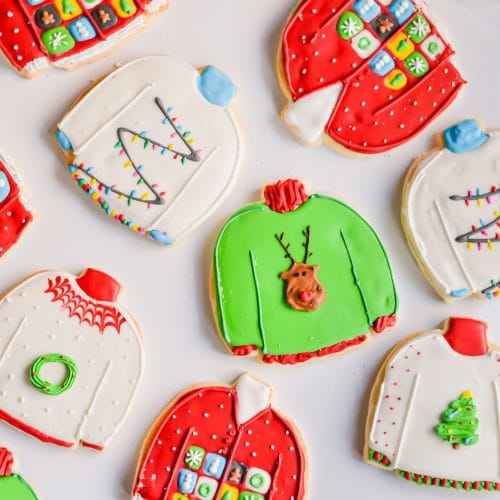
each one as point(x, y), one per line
point(222, 442)
point(160, 154)
point(364, 76)
point(459, 423)
point(15, 213)
point(338, 288)
point(451, 213)
point(12, 485)
point(407, 430)
point(38, 34)
point(71, 358)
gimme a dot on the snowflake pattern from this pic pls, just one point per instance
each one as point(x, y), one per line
point(194, 457)
point(419, 27)
point(350, 27)
point(58, 39)
point(418, 65)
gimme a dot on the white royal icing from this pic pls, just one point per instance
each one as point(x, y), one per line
point(253, 397)
point(421, 380)
point(192, 190)
point(109, 365)
point(308, 116)
point(434, 220)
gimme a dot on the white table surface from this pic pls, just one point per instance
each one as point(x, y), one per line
point(167, 289)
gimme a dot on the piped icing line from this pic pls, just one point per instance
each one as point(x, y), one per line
point(292, 263)
point(407, 429)
point(455, 245)
point(15, 212)
point(454, 250)
point(103, 359)
point(150, 194)
point(427, 480)
point(33, 41)
point(316, 55)
point(199, 442)
point(402, 436)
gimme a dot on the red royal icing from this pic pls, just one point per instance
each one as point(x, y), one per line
point(21, 36)
point(14, 216)
point(206, 418)
point(6, 461)
point(285, 196)
point(292, 359)
point(99, 285)
point(368, 117)
point(467, 336)
point(86, 310)
point(383, 322)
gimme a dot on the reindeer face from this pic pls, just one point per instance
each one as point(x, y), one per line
point(304, 292)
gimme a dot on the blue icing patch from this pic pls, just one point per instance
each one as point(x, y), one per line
point(160, 237)
point(186, 481)
point(464, 136)
point(367, 9)
point(459, 293)
point(216, 87)
point(402, 10)
point(63, 140)
point(382, 63)
point(4, 186)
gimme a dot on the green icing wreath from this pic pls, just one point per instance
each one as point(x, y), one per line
point(44, 385)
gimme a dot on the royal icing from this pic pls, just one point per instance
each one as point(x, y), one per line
point(161, 154)
point(451, 213)
point(368, 74)
point(338, 287)
point(433, 398)
point(70, 358)
point(66, 33)
point(15, 213)
point(12, 485)
point(224, 442)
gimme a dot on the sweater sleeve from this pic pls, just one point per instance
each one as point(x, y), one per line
point(370, 268)
point(113, 395)
point(18, 41)
point(394, 402)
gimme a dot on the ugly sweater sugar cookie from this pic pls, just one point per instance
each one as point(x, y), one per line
point(70, 358)
point(222, 442)
point(156, 144)
point(364, 76)
point(38, 34)
point(451, 212)
point(15, 213)
point(298, 276)
point(434, 409)
point(12, 485)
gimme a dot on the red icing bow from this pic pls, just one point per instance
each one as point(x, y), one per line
point(285, 196)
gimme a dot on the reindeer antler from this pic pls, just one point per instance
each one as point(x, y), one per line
point(307, 233)
point(288, 255)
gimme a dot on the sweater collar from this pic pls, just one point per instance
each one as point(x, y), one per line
point(467, 336)
point(253, 397)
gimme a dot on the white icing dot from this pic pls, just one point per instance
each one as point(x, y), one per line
point(214, 436)
point(206, 415)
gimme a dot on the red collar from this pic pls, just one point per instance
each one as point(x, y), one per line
point(467, 336)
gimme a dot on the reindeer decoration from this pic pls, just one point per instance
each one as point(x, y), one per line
point(304, 292)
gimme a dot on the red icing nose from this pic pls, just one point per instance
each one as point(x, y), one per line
point(306, 296)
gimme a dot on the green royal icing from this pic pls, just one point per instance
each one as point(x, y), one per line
point(433, 47)
point(459, 423)
point(349, 25)
point(14, 487)
point(354, 270)
point(44, 385)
